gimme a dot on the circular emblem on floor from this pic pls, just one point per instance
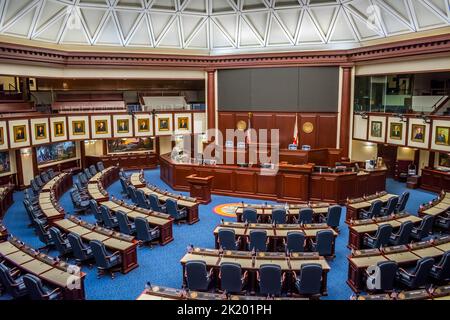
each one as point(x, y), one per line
point(227, 209)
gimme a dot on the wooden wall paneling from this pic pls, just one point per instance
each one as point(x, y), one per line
point(327, 124)
point(226, 121)
point(223, 180)
point(245, 182)
point(263, 120)
point(266, 185)
point(285, 122)
point(308, 138)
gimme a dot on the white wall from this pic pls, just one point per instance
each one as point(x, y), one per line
point(362, 151)
point(93, 148)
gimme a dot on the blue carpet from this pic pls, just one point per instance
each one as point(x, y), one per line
point(160, 265)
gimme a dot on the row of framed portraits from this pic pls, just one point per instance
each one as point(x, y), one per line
point(36, 131)
point(404, 131)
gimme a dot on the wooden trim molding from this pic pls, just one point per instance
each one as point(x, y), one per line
point(434, 45)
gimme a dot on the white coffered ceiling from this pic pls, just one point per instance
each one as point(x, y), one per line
point(219, 26)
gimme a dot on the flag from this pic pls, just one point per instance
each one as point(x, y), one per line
point(295, 137)
point(249, 134)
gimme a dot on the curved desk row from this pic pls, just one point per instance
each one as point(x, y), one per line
point(355, 206)
point(114, 241)
point(291, 183)
point(191, 204)
point(105, 177)
point(275, 234)
point(251, 263)
point(156, 219)
point(437, 207)
point(359, 261)
point(370, 226)
point(51, 192)
point(165, 293)
point(6, 198)
point(438, 293)
point(49, 270)
point(265, 211)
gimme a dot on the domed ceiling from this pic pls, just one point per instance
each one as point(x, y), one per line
point(219, 26)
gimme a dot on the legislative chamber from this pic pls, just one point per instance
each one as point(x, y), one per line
point(276, 151)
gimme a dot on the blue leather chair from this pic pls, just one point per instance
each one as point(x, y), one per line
point(424, 229)
point(174, 212)
point(418, 276)
point(381, 238)
point(104, 261)
point(333, 217)
point(279, 216)
point(109, 221)
point(96, 211)
point(93, 170)
point(390, 207)
point(258, 241)
point(305, 216)
point(43, 235)
point(143, 231)
point(295, 241)
point(34, 186)
point(403, 235)
point(80, 251)
point(155, 205)
point(443, 222)
point(324, 243)
point(142, 200)
point(373, 212)
point(197, 277)
point(37, 291)
point(61, 244)
point(441, 270)
point(39, 181)
point(231, 278)
point(124, 186)
point(388, 270)
point(403, 201)
point(45, 177)
point(87, 173)
point(100, 166)
point(51, 173)
point(15, 287)
point(83, 178)
point(131, 190)
point(309, 280)
point(250, 215)
point(79, 204)
point(125, 226)
point(227, 239)
point(270, 280)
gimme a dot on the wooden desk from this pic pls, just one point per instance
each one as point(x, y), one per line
point(191, 204)
point(435, 180)
point(251, 263)
point(51, 192)
point(156, 219)
point(355, 206)
point(200, 188)
point(276, 235)
point(437, 207)
point(44, 267)
point(360, 227)
point(105, 177)
point(114, 241)
point(128, 161)
point(6, 199)
point(405, 255)
point(264, 211)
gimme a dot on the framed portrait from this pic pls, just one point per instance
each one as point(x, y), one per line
point(123, 125)
point(58, 128)
point(101, 126)
point(2, 136)
point(143, 125)
point(183, 123)
point(78, 127)
point(40, 131)
point(396, 130)
point(163, 124)
point(376, 129)
point(441, 136)
point(418, 133)
point(20, 133)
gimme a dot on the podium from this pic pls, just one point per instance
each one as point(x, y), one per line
point(200, 187)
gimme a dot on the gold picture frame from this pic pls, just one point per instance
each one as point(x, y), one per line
point(418, 133)
point(376, 129)
point(40, 131)
point(143, 125)
point(58, 128)
point(164, 124)
point(101, 126)
point(442, 136)
point(79, 127)
point(20, 133)
point(123, 125)
point(2, 136)
point(183, 123)
point(396, 131)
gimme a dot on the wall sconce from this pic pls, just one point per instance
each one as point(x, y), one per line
point(26, 152)
point(402, 117)
point(363, 115)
